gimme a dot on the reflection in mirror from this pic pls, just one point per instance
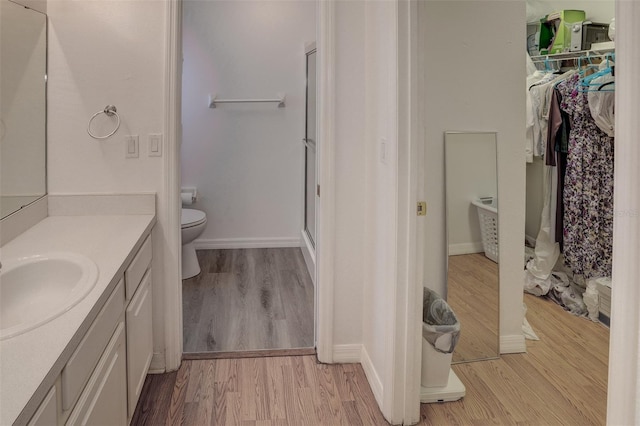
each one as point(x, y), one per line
point(23, 60)
point(472, 225)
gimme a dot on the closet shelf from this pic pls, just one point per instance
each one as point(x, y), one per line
point(573, 55)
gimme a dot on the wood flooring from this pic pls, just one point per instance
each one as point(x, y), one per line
point(295, 391)
point(248, 300)
point(473, 293)
point(562, 380)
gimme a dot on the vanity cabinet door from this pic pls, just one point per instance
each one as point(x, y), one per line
point(137, 268)
point(139, 340)
point(104, 399)
point(85, 358)
point(47, 413)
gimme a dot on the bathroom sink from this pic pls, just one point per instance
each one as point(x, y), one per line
point(36, 289)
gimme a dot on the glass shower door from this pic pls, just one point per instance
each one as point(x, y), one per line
point(310, 151)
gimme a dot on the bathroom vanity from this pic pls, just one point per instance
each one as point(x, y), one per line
point(88, 365)
point(76, 282)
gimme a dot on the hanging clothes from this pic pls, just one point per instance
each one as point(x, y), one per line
point(530, 134)
point(537, 95)
point(588, 187)
point(545, 255)
point(541, 94)
point(602, 103)
point(556, 156)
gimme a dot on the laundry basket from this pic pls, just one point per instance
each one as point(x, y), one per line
point(488, 217)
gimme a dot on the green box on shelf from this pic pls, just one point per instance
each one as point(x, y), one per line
point(555, 30)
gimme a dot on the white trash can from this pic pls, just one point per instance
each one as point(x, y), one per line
point(440, 333)
point(435, 366)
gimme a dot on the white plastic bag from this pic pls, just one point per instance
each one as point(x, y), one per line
point(592, 300)
point(534, 285)
point(440, 326)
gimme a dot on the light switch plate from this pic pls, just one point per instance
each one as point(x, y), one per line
point(155, 145)
point(131, 146)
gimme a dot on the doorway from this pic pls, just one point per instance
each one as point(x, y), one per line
point(464, 108)
point(243, 154)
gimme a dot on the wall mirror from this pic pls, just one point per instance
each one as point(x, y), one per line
point(23, 73)
point(472, 226)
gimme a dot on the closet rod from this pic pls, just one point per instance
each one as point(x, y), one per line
point(213, 100)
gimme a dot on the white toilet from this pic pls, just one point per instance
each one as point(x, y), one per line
point(193, 223)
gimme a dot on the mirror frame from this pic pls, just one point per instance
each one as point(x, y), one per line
point(447, 239)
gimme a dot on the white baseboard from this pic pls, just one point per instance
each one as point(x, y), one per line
point(372, 376)
point(157, 365)
point(238, 243)
point(465, 248)
point(513, 344)
point(347, 354)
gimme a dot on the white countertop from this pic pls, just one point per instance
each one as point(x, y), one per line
point(31, 362)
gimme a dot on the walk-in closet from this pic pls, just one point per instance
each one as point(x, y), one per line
point(569, 149)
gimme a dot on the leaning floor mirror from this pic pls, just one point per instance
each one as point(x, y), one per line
point(472, 242)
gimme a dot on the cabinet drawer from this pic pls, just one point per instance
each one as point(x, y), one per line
point(86, 356)
point(47, 413)
point(104, 400)
point(134, 273)
point(139, 341)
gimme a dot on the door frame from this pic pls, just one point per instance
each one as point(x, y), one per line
point(169, 203)
point(624, 356)
point(411, 236)
point(402, 395)
point(325, 169)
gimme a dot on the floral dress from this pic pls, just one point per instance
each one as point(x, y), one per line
point(588, 188)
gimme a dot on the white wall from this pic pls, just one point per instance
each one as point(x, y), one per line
point(596, 10)
point(473, 78)
point(100, 53)
point(380, 190)
point(246, 159)
point(349, 172)
point(470, 173)
point(366, 190)
point(368, 282)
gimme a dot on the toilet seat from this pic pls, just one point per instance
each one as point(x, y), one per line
point(191, 217)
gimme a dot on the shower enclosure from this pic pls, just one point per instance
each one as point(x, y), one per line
point(310, 186)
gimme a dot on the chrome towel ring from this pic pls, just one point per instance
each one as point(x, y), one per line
point(109, 110)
